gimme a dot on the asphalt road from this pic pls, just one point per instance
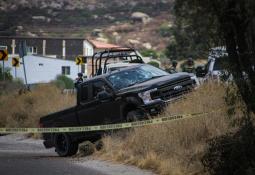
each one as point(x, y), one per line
point(19, 156)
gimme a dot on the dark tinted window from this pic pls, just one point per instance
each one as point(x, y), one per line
point(99, 86)
point(220, 64)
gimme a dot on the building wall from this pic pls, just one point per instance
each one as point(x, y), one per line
point(42, 69)
point(6, 42)
point(54, 47)
point(88, 48)
point(74, 48)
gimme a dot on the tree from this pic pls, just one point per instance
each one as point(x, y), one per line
point(193, 34)
point(230, 23)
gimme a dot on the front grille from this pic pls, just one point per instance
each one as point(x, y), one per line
point(173, 89)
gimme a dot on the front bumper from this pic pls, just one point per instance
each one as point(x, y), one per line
point(155, 107)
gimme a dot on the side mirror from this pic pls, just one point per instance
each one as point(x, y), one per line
point(104, 96)
point(200, 71)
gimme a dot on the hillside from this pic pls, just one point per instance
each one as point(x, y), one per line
point(114, 21)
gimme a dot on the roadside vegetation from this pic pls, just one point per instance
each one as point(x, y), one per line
point(22, 108)
point(177, 147)
point(63, 82)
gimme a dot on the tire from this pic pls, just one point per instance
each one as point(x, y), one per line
point(135, 115)
point(64, 145)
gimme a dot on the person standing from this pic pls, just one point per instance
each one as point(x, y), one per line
point(78, 80)
point(173, 68)
point(189, 66)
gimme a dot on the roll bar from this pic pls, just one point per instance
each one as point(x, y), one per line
point(119, 52)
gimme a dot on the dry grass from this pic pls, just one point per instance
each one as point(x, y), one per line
point(26, 109)
point(176, 147)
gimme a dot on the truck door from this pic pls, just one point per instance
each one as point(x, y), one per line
point(93, 111)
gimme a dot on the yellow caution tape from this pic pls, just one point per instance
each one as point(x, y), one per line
point(99, 127)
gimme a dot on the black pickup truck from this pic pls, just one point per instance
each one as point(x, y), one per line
point(128, 94)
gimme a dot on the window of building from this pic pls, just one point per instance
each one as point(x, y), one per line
point(31, 50)
point(66, 70)
point(3, 47)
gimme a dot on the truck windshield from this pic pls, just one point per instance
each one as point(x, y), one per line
point(134, 76)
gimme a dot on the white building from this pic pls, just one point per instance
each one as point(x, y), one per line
point(41, 69)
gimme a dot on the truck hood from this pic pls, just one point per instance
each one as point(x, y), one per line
point(154, 83)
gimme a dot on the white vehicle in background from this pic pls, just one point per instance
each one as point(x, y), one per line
point(215, 67)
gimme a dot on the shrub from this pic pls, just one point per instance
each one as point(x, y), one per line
point(178, 146)
point(24, 110)
point(154, 63)
point(149, 53)
point(7, 74)
point(64, 82)
point(233, 153)
point(165, 30)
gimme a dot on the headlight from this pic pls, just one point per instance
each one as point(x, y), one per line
point(195, 79)
point(146, 96)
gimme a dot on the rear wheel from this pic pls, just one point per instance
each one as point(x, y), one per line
point(64, 145)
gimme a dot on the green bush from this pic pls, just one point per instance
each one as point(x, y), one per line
point(154, 63)
point(7, 73)
point(63, 82)
point(149, 53)
point(165, 31)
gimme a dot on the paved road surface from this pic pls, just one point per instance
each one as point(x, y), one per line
point(19, 156)
point(22, 156)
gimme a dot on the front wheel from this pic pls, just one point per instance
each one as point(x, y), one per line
point(64, 145)
point(136, 115)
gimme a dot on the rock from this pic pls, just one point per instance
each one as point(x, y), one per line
point(140, 17)
point(121, 28)
point(20, 27)
point(132, 41)
point(109, 17)
point(147, 45)
point(99, 145)
point(43, 18)
point(95, 16)
point(86, 148)
point(56, 5)
point(31, 34)
point(115, 34)
point(96, 32)
point(91, 7)
point(105, 40)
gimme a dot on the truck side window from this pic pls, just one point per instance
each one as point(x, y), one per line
point(100, 86)
point(84, 93)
